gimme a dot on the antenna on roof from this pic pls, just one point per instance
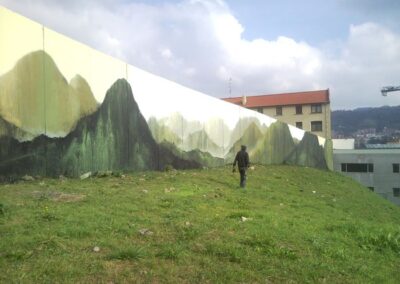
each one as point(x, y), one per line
point(230, 86)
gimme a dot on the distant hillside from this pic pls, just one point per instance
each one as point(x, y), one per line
point(347, 122)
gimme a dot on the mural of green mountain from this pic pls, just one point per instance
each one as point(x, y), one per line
point(179, 125)
point(195, 155)
point(189, 135)
point(308, 153)
point(241, 127)
point(328, 149)
point(115, 137)
point(36, 98)
point(250, 138)
point(10, 130)
point(218, 132)
point(200, 140)
point(276, 144)
point(162, 133)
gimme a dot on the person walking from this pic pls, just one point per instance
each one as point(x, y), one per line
point(242, 159)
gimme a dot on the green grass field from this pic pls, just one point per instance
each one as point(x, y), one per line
point(304, 225)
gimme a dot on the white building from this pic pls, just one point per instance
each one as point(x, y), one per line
point(343, 144)
point(377, 169)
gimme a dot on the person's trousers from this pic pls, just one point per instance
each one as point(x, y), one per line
point(242, 177)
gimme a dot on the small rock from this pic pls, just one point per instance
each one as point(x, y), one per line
point(86, 175)
point(145, 191)
point(252, 168)
point(314, 192)
point(101, 174)
point(167, 190)
point(245, 219)
point(96, 249)
point(187, 223)
point(145, 232)
point(28, 178)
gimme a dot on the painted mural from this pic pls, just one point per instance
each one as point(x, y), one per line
point(68, 109)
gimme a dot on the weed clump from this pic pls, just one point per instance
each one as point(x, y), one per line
point(130, 253)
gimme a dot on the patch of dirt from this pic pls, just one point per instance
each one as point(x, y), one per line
point(59, 196)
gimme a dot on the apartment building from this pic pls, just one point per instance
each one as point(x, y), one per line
point(306, 110)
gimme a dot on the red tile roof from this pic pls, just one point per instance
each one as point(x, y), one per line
point(299, 98)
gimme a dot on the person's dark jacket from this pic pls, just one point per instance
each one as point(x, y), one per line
point(242, 159)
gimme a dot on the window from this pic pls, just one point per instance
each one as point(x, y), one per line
point(299, 124)
point(396, 168)
point(278, 110)
point(260, 110)
point(316, 125)
point(299, 109)
point(371, 188)
point(396, 192)
point(316, 108)
point(357, 168)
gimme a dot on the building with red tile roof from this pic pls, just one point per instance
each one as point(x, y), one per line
point(308, 110)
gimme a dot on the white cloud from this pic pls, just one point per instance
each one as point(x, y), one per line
point(200, 44)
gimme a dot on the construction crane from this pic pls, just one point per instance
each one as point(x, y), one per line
point(388, 89)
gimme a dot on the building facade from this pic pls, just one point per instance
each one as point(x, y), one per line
point(306, 110)
point(377, 169)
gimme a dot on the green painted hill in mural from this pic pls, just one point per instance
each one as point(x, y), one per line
point(189, 135)
point(201, 141)
point(162, 133)
point(202, 158)
point(36, 98)
point(250, 137)
point(276, 144)
point(179, 125)
point(241, 126)
point(115, 137)
point(308, 153)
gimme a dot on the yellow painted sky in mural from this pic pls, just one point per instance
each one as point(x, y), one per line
point(27, 37)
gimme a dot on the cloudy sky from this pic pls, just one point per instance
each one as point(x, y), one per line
point(351, 47)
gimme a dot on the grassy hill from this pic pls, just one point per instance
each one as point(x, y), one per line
point(304, 225)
